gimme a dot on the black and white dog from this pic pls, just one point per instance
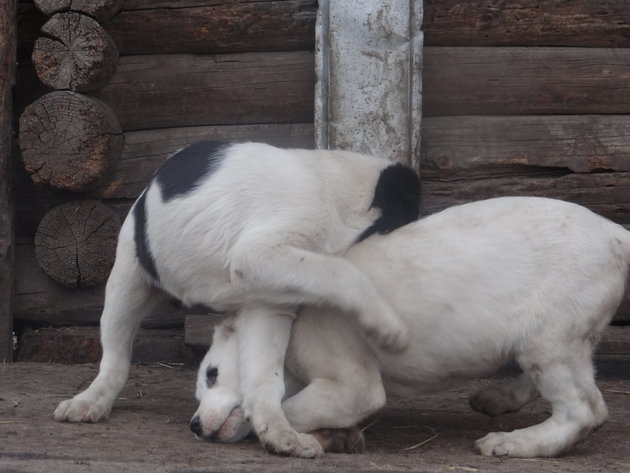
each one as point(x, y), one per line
point(531, 279)
point(256, 227)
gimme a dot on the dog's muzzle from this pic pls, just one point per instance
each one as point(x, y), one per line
point(195, 428)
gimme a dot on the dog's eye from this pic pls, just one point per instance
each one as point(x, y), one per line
point(211, 376)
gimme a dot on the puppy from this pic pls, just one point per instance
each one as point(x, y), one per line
point(528, 279)
point(250, 225)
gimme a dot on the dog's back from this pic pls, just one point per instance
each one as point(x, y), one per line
point(475, 283)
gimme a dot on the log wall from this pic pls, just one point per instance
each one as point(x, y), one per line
point(529, 98)
point(526, 99)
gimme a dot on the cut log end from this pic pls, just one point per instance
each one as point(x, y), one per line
point(75, 243)
point(101, 10)
point(69, 141)
point(74, 52)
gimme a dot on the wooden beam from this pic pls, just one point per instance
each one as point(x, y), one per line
point(213, 27)
point(170, 90)
point(8, 42)
point(527, 23)
point(605, 193)
point(468, 145)
point(521, 81)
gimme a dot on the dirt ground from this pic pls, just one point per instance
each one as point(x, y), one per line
point(148, 431)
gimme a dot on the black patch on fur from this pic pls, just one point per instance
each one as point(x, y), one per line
point(397, 195)
point(140, 236)
point(183, 171)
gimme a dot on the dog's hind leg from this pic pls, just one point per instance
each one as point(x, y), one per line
point(504, 398)
point(282, 274)
point(128, 299)
point(263, 336)
point(567, 381)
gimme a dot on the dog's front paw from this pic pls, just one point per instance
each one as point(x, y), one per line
point(510, 444)
point(387, 330)
point(340, 440)
point(291, 443)
point(82, 409)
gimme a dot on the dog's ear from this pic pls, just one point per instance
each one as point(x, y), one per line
point(397, 195)
point(228, 328)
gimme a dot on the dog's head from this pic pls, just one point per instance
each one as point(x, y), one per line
point(220, 416)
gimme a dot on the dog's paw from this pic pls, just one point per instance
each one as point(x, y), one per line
point(387, 330)
point(507, 444)
point(82, 409)
point(340, 440)
point(291, 443)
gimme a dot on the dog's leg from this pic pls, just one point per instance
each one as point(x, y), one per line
point(128, 299)
point(334, 403)
point(578, 407)
point(504, 398)
point(263, 337)
point(282, 274)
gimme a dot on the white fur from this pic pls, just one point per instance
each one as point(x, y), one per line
point(259, 232)
point(530, 279)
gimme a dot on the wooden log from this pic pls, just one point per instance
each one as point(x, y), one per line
point(101, 10)
point(605, 193)
point(521, 81)
point(68, 140)
point(73, 345)
point(145, 151)
point(74, 52)
point(214, 27)
point(8, 40)
point(527, 23)
point(163, 91)
point(465, 145)
point(75, 243)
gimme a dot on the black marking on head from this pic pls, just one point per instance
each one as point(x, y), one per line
point(140, 236)
point(397, 195)
point(183, 171)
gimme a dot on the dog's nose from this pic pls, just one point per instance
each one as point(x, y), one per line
point(195, 426)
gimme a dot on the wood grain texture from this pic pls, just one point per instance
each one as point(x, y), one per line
point(522, 81)
point(68, 140)
point(75, 243)
point(588, 23)
point(465, 145)
point(101, 10)
point(145, 151)
point(214, 27)
point(8, 40)
point(72, 345)
point(163, 91)
point(74, 52)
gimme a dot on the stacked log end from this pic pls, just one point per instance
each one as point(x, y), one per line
point(75, 243)
point(74, 52)
point(69, 140)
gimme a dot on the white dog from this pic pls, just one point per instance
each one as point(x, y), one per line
point(250, 225)
point(531, 279)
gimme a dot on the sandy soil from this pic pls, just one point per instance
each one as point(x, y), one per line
point(148, 431)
